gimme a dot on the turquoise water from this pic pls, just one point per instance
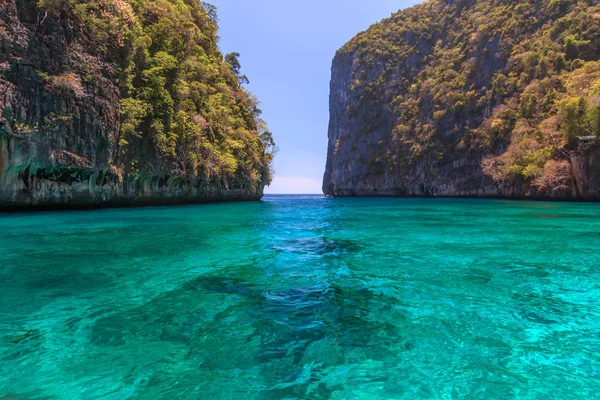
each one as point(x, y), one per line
point(303, 298)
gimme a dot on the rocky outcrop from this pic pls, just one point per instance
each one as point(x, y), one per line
point(75, 184)
point(60, 122)
point(586, 171)
point(70, 181)
point(398, 127)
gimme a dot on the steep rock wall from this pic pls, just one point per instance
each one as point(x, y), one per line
point(388, 136)
point(60, 122)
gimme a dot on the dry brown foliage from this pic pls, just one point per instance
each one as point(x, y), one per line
point(68, 84)
point(557, 175)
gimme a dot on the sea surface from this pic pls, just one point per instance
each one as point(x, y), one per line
point(303, 297)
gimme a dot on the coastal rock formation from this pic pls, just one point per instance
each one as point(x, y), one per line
point(462, 98)
point(118, 103)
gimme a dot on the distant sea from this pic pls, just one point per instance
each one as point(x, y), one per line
point(303, 297)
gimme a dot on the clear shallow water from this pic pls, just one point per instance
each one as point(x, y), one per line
point(303, 298)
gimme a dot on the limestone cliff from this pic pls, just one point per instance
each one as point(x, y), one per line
point(461, 98)
point(106, 103)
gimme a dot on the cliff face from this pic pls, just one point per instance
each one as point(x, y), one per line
point(465, 99)
point(133, 117)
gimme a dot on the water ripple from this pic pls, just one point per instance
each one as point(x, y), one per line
point(303, 298)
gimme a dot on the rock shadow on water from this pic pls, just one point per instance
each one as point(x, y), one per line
point(171, 316)
point(544, 310)
point(282, 332)
point(22, 344)
point(331, 327)
point(321, 246)
point(37, 395)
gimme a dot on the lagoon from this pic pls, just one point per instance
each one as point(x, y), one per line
point(303, 297)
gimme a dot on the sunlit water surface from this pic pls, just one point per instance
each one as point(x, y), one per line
point(303, 298)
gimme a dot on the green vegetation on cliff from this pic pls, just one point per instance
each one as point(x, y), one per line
point(181, 109)
point(514, 83)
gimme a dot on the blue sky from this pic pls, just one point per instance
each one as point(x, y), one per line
point(286, 50)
